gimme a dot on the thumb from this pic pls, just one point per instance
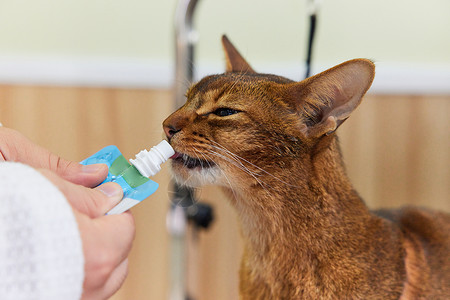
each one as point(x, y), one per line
point(16, 147)
point(92, 202)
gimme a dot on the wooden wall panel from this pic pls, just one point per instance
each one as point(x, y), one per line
point(396, 149)
point(76, 123)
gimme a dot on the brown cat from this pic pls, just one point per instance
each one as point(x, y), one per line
point(271, 144)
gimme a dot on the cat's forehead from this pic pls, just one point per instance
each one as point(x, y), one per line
point(214, 86)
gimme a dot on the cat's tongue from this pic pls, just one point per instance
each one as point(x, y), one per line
point(176, 155)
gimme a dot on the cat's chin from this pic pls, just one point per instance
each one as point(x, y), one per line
point(196, 177)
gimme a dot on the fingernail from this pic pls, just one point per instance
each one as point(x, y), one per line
point(95, 168)
point(112, 190)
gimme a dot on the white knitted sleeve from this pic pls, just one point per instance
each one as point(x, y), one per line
point(41, 256)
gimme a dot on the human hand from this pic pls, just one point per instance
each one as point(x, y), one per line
point(107, 240)
point(16, 147)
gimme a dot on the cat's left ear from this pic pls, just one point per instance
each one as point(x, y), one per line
point(327, 99)
point(234, 60)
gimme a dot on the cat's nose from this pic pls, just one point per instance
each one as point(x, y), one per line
point(170, 130)
point(176, 122)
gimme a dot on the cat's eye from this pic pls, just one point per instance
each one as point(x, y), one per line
point(223, 112)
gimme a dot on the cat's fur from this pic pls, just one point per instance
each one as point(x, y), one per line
point(270, 143)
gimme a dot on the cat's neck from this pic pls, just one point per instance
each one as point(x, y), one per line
point(306, 220)
point(299, 202)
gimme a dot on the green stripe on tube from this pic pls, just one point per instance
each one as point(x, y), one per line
point(130, 174)
point(133, 177)
point(119, 165)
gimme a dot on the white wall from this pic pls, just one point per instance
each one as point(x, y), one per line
point(385, 30)
point(130, 42)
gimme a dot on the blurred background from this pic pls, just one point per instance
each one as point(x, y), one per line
point(76, 76)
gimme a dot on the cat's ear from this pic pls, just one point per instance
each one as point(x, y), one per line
point(327, 99)
point(234, 60)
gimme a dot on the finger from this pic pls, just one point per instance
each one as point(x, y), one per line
point(105, 290)
point(16, 147)
point(92, 202)
point(107, 242)
point(89, 176)
point(118, 232)
point(115, 281)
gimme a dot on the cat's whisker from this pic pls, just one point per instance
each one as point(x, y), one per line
point(234, 156)
point(207, 159)
point(231, 187)
point(204, 158)
point(235, 160)
point(239, 165)
point(245, 160)
point(239, 76)
point(185, 82)
point(197, 152)
point(185, 182)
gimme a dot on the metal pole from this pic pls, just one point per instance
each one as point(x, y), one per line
point(186, 37)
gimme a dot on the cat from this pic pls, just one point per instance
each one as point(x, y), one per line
point(270, 143)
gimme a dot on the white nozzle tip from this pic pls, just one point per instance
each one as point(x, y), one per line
point(165, 149)
point(148, 162)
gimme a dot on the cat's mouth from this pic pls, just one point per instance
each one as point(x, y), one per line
point(191, 162)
